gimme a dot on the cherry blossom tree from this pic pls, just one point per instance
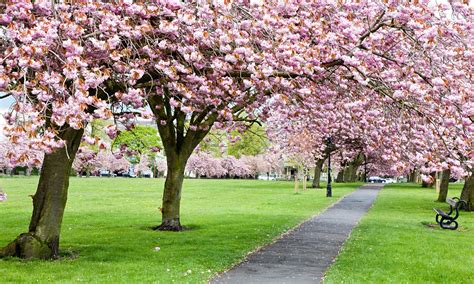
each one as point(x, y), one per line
point(9, 161)
point(159, 165)
point(235, 167)
point(56, 65)
point(111, 162)
point(198, 66)
point(143, 165)
point(86, 161)
point(411, 73)
point(203, 164)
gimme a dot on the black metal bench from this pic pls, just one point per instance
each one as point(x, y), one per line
point(446, 219)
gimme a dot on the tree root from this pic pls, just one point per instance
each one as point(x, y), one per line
point(169, 228)
point(169, 225)
point(27, 246)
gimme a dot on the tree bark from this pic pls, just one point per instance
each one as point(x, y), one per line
point(170, 210)
point(179, 143)
point(412, 176)
point(340, 174)
point(296, 182)
point(444, 185)
point(425, 184)
point(350, 171)
point(49, 202)
point(467, 193)
point(317, 173)
point(304, 180)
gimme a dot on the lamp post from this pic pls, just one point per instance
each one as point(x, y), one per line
point(328, 187)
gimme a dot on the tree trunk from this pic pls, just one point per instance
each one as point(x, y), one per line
point(179, 142)
point(444, 185)
point(467, 193)
point(350, 171)
point(49, 201)
point(425, 184)
point(340, 174)
point(317, 173)
point(412, 176)
point(296, 182)
point(304, 180)
point(170, 220)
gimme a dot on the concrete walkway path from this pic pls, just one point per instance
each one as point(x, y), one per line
point(303, 255)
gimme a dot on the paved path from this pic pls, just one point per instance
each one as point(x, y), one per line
point(303, 255)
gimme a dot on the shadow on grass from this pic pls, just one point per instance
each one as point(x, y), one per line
point(191, 227)
point(68, 254)
point(434, 226)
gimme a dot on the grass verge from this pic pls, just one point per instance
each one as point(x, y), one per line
point(399, 241)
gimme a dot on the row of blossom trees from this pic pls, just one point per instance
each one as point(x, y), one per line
point(205, 165)
point(193, 66)
point(91, 161)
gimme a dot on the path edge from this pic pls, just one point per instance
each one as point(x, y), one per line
point(323, 278)
point(282, 235)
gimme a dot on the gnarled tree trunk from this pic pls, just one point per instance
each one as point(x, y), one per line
point(49, 201)
point(444, 185)
point(317, 173)
point(467, 193)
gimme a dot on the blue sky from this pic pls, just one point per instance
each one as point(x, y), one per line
point(5, 104)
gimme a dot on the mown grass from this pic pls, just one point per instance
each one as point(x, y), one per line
point(394, 242)
point(106, 235)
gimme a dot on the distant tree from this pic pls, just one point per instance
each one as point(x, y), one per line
point(252, 142)
point(86, 161)
point(141, 140)
point(205, 165)
point(215, 143)
point(98, 127)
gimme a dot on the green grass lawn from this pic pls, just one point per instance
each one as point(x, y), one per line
point(106, 236)
point(393, 243)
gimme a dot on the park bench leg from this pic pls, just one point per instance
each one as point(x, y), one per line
point(446, 224)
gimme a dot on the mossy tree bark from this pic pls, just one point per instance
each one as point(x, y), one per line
point(444, 185)
point(317, 172)
point(49, 202)
point(467, 193)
